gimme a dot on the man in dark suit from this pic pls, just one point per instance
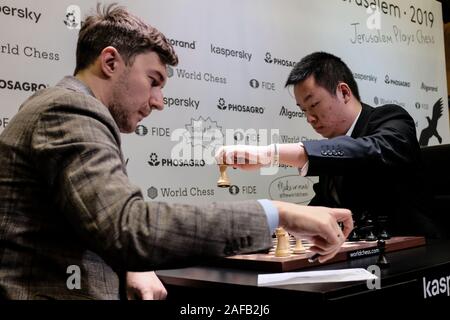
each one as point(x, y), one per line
point(371, 160)
point(67, 207)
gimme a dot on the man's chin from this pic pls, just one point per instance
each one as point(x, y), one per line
point(128, 129)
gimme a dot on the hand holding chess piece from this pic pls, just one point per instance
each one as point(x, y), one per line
point(317, 224)
point(224, 181)
point(248, 157)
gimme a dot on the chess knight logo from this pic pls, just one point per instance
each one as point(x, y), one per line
point(73, 17)
point(431, 130)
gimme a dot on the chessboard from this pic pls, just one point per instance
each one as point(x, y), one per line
point(267, 261)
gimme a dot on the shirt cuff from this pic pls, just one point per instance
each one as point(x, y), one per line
point(304, 170)
point(271, 212)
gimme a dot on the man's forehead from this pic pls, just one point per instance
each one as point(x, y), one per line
point(303, 91)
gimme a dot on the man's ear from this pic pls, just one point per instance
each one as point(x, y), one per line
point(110, 61)
point(344, 92)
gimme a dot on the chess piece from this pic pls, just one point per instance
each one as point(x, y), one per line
point(283, 248)
point(382, 261)
point(368, 230)
point(299, 248)
point(382, 222)
point(354, 235)
point(223, 181)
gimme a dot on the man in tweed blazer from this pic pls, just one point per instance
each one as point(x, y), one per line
point(66, 201)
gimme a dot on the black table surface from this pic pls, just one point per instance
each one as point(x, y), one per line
point(410, 276)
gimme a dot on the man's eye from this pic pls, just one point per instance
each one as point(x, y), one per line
point(153, 82)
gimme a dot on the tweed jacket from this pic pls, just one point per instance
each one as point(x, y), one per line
point(66, 200)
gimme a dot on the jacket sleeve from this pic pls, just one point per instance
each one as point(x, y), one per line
point(391, 144)
point(79, 155)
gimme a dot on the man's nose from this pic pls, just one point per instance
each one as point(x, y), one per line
point(310, 118)
point(157, 99)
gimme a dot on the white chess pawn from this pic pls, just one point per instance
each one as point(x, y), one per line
point(283, 248)
point(299, 248)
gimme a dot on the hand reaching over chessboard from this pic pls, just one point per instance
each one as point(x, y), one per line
point(317, 224)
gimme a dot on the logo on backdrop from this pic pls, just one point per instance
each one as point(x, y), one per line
point(202, 132)
point(30, 52)
point(152, 192)
point(234, 190)
point(184, 103)
point(21, 86)
point(285, 112)
point(142, 131)
point(248, 190)
point(399, 83)
point(278, 61)
point(420, 105)
point(73, 17)
point(241, 137)
point(154, 161)
point(292, 188)
point(427, 88)
point(21, 13)
point(436, 287)
point(177, 192)
point(284, 138)
point(4, 122)
point(195, 75)
point(365, 77)
point(239, 54)
point(222, 105)
point(255, 84)
point(431, 130)
point(381, 101)
point(182, 43)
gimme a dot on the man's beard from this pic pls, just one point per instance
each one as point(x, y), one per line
point(117, 107)
point(120, 117)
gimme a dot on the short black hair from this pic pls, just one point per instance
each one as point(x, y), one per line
point(327, 69)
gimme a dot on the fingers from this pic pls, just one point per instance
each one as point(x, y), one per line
point(331, 238)
point(154, 295)
point(243, 155)
point(148, 295)
point(344, 216)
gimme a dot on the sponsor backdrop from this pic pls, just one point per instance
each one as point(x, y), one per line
point(234, 59)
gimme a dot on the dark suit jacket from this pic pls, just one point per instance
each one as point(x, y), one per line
point(65, 199)
point(379, 170)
